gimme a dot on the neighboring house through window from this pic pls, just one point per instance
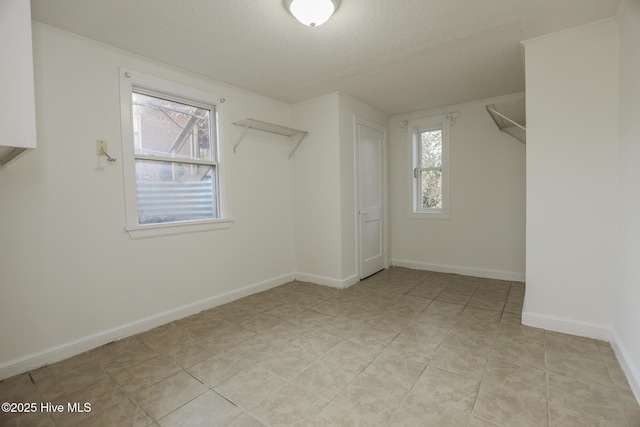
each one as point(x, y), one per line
point(171, 156)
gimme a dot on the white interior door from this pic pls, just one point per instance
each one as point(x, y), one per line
point(370, 145)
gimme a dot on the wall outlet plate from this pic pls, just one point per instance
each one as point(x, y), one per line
point(101, 147)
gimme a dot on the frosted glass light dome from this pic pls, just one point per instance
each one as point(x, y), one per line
point(312, 12)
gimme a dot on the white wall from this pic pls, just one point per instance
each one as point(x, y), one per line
point(316, 191)
point(485, 233)
point(572, 176)
point(71, 277)
point(627, 314)
point(324, 189)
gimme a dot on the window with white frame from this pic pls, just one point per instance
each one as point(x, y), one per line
point(171, 156)
point(430, 167)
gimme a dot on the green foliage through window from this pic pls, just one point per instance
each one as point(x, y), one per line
point(430, 169)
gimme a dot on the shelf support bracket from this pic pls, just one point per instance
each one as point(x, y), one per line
point(243, 135)
point(494, 111)
point(303, 136)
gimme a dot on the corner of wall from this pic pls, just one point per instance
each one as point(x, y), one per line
point(328, 281)
point(629, 366)
point(567, 326)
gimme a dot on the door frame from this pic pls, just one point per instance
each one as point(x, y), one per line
point(359, 120)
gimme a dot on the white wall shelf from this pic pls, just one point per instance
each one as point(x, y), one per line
point(271, 128)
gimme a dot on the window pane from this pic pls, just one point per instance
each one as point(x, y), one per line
point(171, 129)
point(431, 196)
point(170, 192)
point(431, 149)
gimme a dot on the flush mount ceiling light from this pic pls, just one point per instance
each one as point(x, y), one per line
point(312, 12)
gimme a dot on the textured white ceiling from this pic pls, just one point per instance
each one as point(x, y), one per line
point(399, 56)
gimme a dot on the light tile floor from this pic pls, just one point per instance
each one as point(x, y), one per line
point(401, 348)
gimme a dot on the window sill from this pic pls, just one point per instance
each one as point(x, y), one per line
point(429, 215)
point(156, 230)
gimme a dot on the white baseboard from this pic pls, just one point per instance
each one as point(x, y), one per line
point(63, 351)
point(627, 363)
point(350, 281)
point(590, 330)
point(328, 281)
point(465, 271)
point(567, 326)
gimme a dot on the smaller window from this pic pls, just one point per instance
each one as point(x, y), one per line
point(429, 140)
point(428, 172)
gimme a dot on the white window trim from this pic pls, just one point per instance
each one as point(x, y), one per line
point(128, 80)
point(413, 129)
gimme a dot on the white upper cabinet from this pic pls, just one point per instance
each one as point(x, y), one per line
point(17, 103)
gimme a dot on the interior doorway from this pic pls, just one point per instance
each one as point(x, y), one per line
point(370, 147)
